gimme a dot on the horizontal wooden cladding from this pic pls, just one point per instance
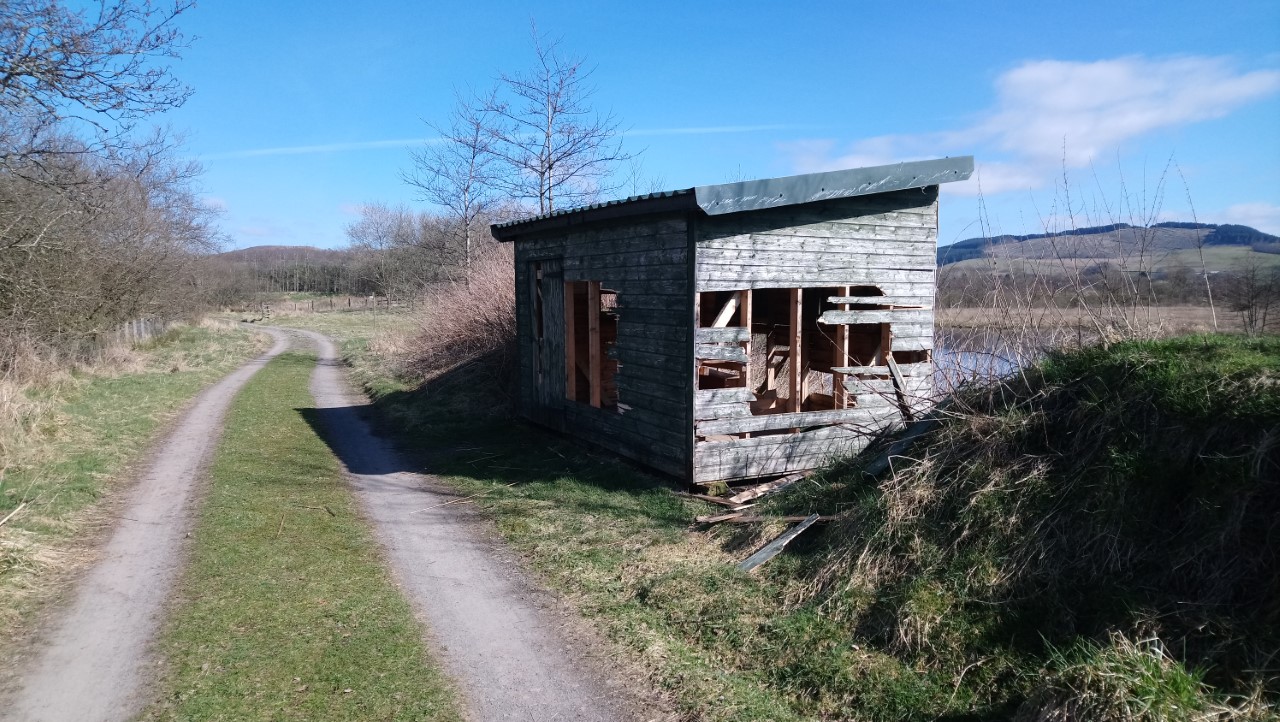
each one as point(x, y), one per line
point(737, 278)
point(910, 208)
point(777, 454)
point(726, 334)
point(913, 343)
point(906, 316)
point(620, 434)
point(609, 275)
point(877, 300)
point(870, 419)
point(897, 234)
point(758, 250)
point(721, 403)
point(660, 231)
point(916, 369)
point(709, 352)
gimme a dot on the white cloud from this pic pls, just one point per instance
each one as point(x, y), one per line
point(1263, 216)
point(1051, 112)
point(324, 148)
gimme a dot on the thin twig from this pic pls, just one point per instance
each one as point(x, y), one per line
point(463, 499)
point(13, 513)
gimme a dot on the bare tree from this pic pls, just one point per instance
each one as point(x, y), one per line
point(557, 149)
point(96, 67)
point(458, 172)
point(1252, 290)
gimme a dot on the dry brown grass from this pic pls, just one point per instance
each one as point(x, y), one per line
point(465, 323)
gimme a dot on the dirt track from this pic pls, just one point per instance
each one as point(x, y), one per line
point(500, 638)
point(91, 661)
point(511, 651)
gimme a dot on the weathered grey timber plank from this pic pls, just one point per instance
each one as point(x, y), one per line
point(876, 300)
point(775, 547)
point(716, 278)
point(743, 250)
point(709, 352)
point(722, 396)
point(884, 387)
point(904, 316)
point(913, 343)
point(799, 420)
point(652, 359)
point(922, 368)
point(818, 261)
point(617, 274)
point(893, 227)
point(772, 440)
point(714, 461)
point(709, 412)
point(909, 329)
point(726, 334)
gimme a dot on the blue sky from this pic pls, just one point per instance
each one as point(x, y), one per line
point(305, 110)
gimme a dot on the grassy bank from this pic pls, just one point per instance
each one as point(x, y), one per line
point(65, 440)
point(286, 611)
point(1092, 541)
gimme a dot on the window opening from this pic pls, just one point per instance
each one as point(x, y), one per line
point(591, 335)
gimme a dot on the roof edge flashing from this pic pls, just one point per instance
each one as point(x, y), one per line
point(813, 187)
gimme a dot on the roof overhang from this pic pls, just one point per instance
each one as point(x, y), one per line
point(755, 195)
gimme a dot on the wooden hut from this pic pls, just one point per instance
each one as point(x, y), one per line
point(733, 331)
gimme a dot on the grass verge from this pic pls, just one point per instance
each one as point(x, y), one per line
point(1093, 540)
point(69, 436)
point(286, 611)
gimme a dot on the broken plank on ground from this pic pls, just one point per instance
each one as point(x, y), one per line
point(760, 490)
point(773, 548)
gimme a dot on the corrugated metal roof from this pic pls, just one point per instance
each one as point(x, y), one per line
point(762, 194)
point(594, 206)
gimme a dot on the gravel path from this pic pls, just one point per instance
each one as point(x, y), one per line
point(91, 662)
point(514, 656)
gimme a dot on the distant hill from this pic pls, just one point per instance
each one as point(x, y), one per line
point(272, 254)
point(1158, 245)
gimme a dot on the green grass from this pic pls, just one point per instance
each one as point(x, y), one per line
point(286, 609)
point(1100, 498)
point(90, 425)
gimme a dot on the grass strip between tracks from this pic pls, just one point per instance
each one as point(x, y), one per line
point(286, 610)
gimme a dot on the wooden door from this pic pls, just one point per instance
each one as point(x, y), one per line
point(546, 280)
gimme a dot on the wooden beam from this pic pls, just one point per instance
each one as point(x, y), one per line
point(775, 547)
point(838, 391)
point(902, 315)
point(760, 490)
point(726, 312)
point(570, 341)
point(593, 340)
point(895, 301)
point(796, 376)
point(731, 334)
point(899, 387)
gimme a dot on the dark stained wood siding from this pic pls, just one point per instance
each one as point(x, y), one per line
point(887, 240)
point(646, 261)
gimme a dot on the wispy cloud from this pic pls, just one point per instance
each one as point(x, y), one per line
point(1052, 112)
point(409, 142)
point(711, 130)
point(324, 148)
point(1263, 216)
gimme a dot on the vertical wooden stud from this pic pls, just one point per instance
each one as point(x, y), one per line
point(570, 341)
point(593, 340)
point(744, 303)
point(838, 391)
point(796, 377)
